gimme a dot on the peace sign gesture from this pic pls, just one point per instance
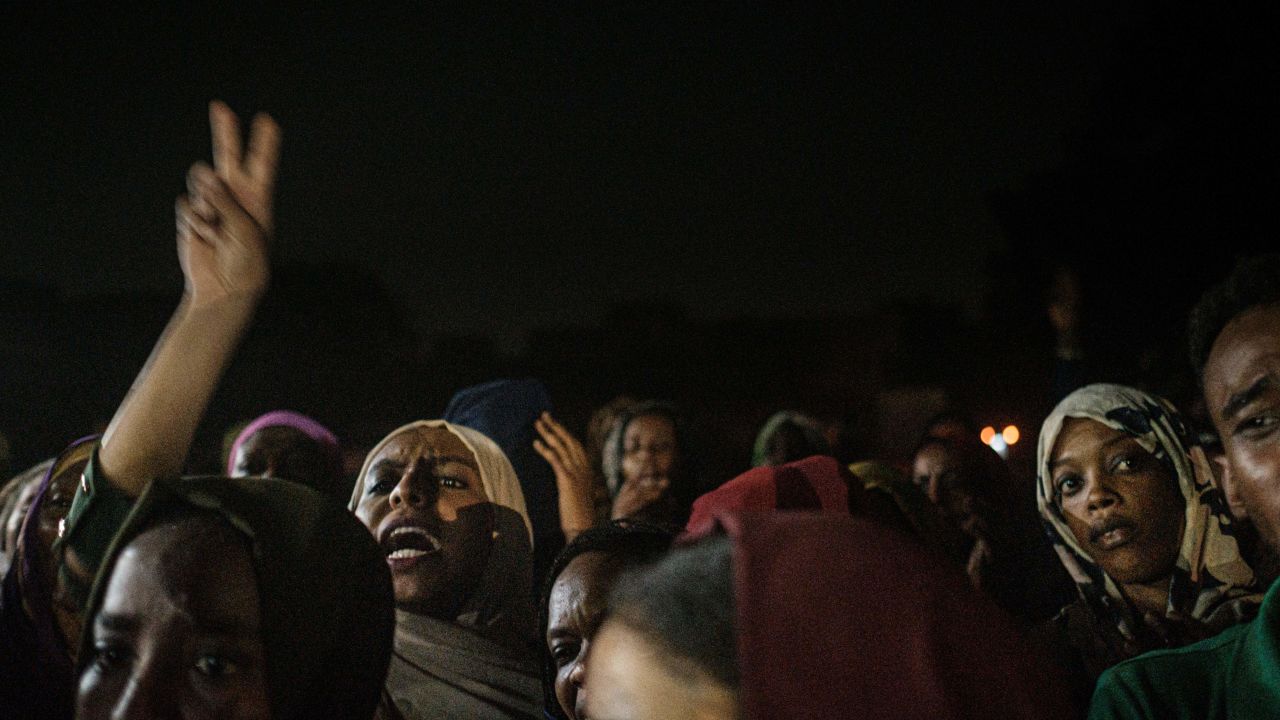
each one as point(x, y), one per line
point(250, 176)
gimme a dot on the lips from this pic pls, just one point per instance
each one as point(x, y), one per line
point(405, 542)
point(1113, 533)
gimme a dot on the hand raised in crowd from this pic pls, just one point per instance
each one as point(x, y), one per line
point(251, 176)
point(223, 225)
point(223, 250)
point(636, 495)
point(574, 477)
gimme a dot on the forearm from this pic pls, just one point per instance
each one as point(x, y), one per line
point(152, 430)
point(577, 512)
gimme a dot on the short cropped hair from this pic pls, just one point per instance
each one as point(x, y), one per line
point(1254, 282)
point(685, 605)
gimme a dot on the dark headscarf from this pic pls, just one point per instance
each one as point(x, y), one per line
point(842, 617)
point(801, 431)
point(326, 601)
point(37, 679)
point(504, 411)
point(631, 543)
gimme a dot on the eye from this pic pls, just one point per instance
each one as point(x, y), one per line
point(921, 480)
point(109, 655)
point(451, 481)
point(382, 484)
point(563, 653)
point(214, 666)
point(1256, 425)
point(1068, 485)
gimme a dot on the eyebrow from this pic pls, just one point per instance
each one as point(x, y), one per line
point(434, 460)
point(1241, 400)
point(221, 627)
point(117, 623)
point(1119, 438)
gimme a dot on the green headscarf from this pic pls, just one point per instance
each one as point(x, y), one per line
point(327, 606)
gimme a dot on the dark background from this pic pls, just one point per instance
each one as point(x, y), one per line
point(851, 210)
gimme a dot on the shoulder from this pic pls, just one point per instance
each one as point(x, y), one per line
point(1185, 682)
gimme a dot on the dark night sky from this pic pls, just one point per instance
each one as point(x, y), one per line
point(508, 168)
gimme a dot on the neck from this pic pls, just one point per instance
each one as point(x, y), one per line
point(1149, 597)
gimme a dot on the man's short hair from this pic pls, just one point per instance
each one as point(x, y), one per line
point(1254, 282)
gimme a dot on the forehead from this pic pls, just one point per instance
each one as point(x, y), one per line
point(275, 435)
point(1082, 436)
point(425, 442)
point(68, 476)
point(935, 453)
point(587, 576)
point(646, 426)
point(1247, 348)
point(158, 577)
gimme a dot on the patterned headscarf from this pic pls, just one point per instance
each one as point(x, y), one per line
point(1210, 575)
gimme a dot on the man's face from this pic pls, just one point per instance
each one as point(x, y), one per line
point(1242, 390)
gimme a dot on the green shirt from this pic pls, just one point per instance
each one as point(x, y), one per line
point(97, 512)
point(1235, 674)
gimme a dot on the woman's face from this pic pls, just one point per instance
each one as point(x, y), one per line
point(424, 503)
point(1122, 504)
point(629, 677)
point(54, 509)
point(940, 474)
point(574, 612)
point(282, 452)
point(179, 632)
point(649, 450)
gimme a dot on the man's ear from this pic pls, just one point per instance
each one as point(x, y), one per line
point(1222, 470)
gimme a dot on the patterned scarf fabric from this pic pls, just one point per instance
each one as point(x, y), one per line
point(1211, 582)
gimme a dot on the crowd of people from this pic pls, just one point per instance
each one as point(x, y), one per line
point(490, 564)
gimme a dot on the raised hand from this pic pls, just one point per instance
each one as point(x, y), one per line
point(222, 249)
point(638, 498)
point(574, 477)
point(251, 175)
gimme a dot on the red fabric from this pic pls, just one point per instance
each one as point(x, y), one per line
point(815, 483)
point(839, 617)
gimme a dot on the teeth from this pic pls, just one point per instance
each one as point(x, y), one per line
point(409, 530)
point(406, 553)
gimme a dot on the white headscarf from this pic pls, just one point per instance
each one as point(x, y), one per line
point(498, 478)
point(480, 666)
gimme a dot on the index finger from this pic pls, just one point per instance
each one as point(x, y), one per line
point(225, 127)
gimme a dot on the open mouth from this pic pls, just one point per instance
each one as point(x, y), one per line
point(408, 543)
point(1113, 534)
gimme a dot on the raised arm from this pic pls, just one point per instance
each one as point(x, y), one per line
point(223, 225)
point(569, 460)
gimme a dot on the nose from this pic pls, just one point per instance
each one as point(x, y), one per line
point(1100, 494)
point(414, 488)
point(933, 490)
point(579, 670)
point(143, 697)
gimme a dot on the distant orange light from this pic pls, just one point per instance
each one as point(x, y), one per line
point(1011, 434)
point(988, 434)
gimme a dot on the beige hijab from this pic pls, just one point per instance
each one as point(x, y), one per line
point(481, 665)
